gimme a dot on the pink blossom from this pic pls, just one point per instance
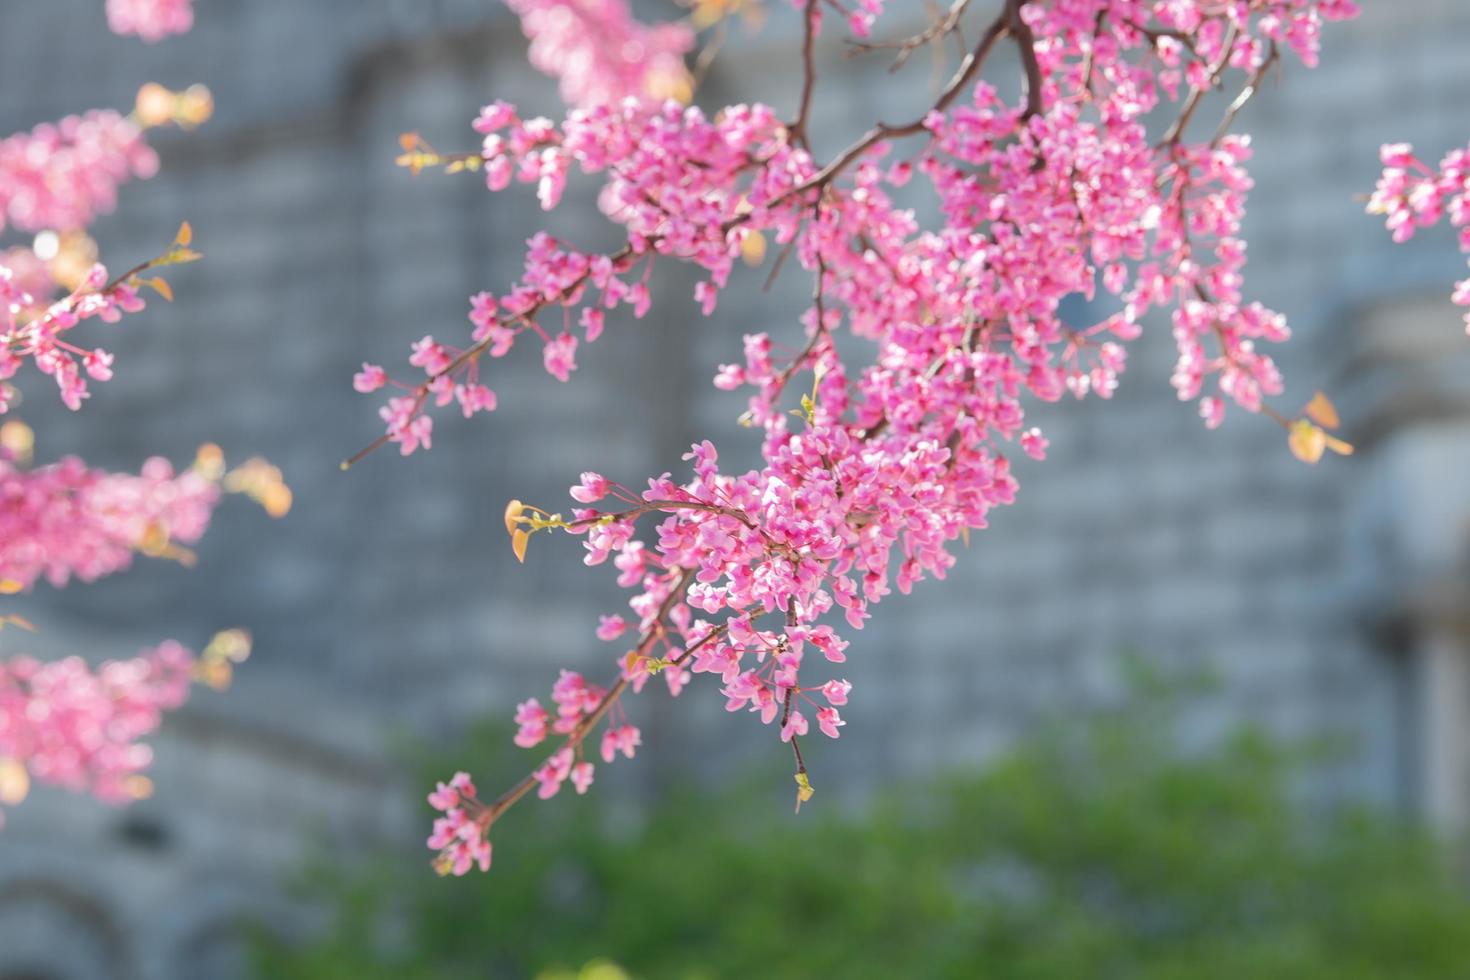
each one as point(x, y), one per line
point(593, 488)
point(560, 356)
point(62, 175)
point(623, 738)
point(611, 627)
point(828, 720)
point(151, 20)
point(370, 378)
point(795, 725)
point(600, 53)
point(582, 777)
point(79, 728)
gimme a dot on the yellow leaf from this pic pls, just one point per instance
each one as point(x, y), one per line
point(161, 287)
point(1321, 411)
point(1306, 441)
point(1339, 447)
point(276, 499)
point(513, 511)
point(19, 439)
point(804, 789)
point(232, 645)
point(15, 782)
point(676, 84)
point(210, 461)
point(195, 106)
point(518, 542)
point(185, 235)
point(9, 586)
point(154, 105)
point(154, 541)
point(753, 248)
point(14, 620)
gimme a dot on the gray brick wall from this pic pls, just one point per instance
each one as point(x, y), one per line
point(389, 603)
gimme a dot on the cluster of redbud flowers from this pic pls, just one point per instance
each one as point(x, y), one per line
point(892, 453)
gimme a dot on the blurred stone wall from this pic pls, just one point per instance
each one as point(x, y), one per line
point(388, 604)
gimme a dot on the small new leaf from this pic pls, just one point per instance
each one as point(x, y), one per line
point(1306, 441)
point(753, 248)
point(518, 541)
point(513, 512)
point(15, 782)
point(1321, 410)
point(804, 789)
point(185, 237)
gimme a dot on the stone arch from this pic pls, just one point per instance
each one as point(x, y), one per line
point(54, 931)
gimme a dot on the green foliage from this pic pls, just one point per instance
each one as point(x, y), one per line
point(1094, 851)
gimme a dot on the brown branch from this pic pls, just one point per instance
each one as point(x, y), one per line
point(940, 28)
point(1026, 41)
point(1196, 93)
point(809, 73)
point(817, 334)
point(655, 629)
point(966, 72)
point(791, 623)
point(1251, 87)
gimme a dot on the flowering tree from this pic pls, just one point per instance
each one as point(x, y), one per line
point(1102, 178)
point(65, 722)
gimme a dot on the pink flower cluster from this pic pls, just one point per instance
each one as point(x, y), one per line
point(459, 835)
point(151, 20)
point(899, 442)
point(40, 339)
point(1414, 195)
point(66, 520)
point(62, 175)
point(78, 728)
point(600, 52)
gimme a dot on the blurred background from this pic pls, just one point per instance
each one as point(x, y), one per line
point(964, 811)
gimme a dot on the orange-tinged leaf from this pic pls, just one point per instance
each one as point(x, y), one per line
point(232, 644)
point(1306, 441)
point(1321, 410)
point(154, 105)
point(210, 461)
point(518, 541)
point(408, 141)
point(19, 439)
point(1339, 447)
point(21, 621)
point(276, 499)
point(195, 106)
point(15, 782)
point(185, 236)
point(513, 511)
point(161, 287)
point(9, 586)
point(753, 248)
